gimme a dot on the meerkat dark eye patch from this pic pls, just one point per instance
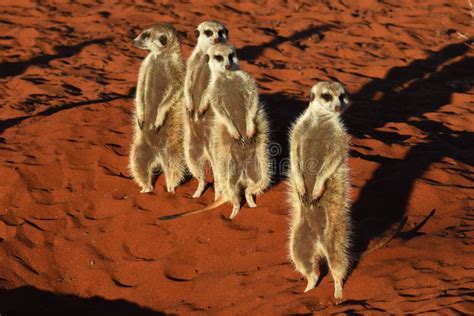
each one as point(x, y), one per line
point(343, 98)
point(231, 57)
point(208, 33)
point(145, 35)
point(312, 96)
point(221, 33)
point(196, 33)
point(219, 58)
point(163, 40)
point(226, 31)
point(326, 97)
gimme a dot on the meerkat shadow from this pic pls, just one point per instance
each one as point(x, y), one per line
point(252, 52)
point(102, 98)
point(404, 97)
point(27, 300)
point(8, 69)
point(282, 110)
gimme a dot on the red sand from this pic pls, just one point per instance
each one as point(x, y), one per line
point(72, 222)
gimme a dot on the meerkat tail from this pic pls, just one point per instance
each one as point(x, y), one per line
point(388, 236)
point(214, 205)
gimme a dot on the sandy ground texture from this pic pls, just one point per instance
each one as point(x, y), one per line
point(75, 232)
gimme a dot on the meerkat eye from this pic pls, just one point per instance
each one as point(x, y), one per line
point(342, 98)
point(221, 33)
point(146, 35)
point(219, 58)
point(326, 97)
point(208, 33)
point(163, 40)
point(231, 57)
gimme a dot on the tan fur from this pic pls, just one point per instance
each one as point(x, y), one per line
point(319, 188)
point(158, 133)
point(197, 129)
point(239, 136)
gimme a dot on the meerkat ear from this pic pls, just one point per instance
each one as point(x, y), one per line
point(196, 33)
point(163, 40)
point(206, 58)
point(312, 96)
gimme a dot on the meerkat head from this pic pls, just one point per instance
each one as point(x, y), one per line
point(209, 33)
point(329, 96)
point(222, 58)
point(158, 38)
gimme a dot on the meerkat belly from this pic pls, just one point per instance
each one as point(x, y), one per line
point(155, 95)
point(317, 148)
point(234, 104)
point(154, 92)
point(201, 128)
point(200, 83)
point(244, 157)
point(337, 188)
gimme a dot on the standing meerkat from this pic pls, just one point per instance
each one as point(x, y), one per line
point(240, 131)
point(319, 187)
point(158, 132)
point(197, 128)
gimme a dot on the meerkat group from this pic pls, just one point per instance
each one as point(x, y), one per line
point(197, 128)
point(208, 113)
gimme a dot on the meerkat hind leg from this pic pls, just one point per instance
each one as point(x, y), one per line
point(141, 161)
point(220, 177)
point(200, 174)
point(200, 188)
point(197, 169)
point(235, 200)
point(338, 265)
point(303, 252)
point(173, 176)
point(250, 192)
point(250, 198)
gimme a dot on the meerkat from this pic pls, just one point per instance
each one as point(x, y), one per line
point(197, 128)
point(239, 133)
point(158, 132)
point(319, 187)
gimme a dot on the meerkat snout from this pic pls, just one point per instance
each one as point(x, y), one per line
point(329, 96)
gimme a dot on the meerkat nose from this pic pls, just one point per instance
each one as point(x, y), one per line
point(227, 66)
point(217, 40)
point(338, 109)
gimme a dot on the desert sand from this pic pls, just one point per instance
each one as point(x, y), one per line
point(76, 234)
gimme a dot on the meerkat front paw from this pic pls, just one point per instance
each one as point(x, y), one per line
point(190, 113)
point(140, 123)
point(157, 127)
point(301, 192)
point(237, 138)
point(318, 192)
point(251, 132)
point(242, 141)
